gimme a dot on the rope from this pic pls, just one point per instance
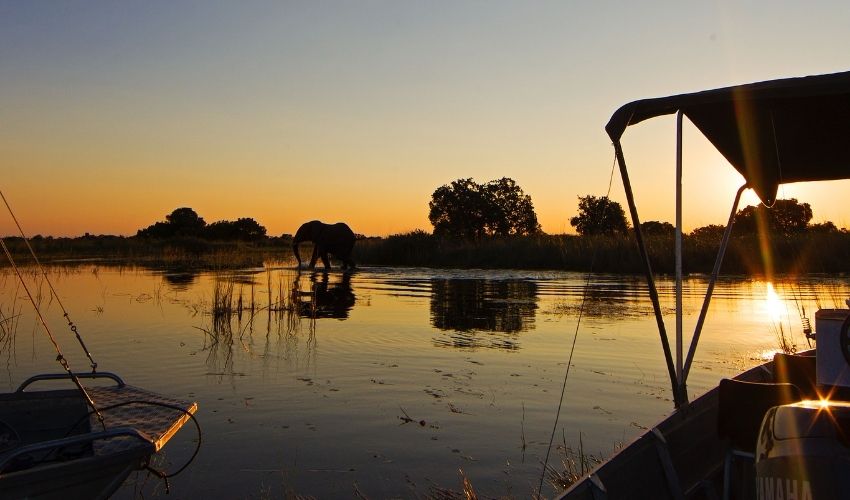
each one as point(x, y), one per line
point(65, 314)
point(572, 350)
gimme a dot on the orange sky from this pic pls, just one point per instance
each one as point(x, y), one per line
point(115, 115)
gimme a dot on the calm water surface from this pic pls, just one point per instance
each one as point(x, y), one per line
point(315, 399)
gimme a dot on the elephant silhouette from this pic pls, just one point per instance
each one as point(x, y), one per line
point(335, 239)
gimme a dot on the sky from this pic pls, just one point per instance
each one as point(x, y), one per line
point(113, 114)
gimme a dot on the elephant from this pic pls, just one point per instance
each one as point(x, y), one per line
point(336, 239)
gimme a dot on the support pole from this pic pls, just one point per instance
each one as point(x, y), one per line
point(679, 342)
point(678, 398)
point(724, 243)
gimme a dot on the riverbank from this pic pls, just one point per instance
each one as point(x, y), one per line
point(747, 254)
point(798, 253)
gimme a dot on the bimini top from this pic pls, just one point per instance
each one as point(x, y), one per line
point(773, 132)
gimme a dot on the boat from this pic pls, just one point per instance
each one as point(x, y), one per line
point(778, 430)
point(62, 438)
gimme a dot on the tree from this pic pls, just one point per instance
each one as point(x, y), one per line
point(599, 215)
point(466, 209)
point(510, 211)
point(457, 209)
point(654, 227)
point(785, 217)
point(181, 222)
point(824, 227)
point(157, 230)
point(711, 232)
point(244, 229)
point(186, 222)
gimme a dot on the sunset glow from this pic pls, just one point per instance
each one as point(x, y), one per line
point(115, 115)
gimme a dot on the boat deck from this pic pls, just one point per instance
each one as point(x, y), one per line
point(158, 417)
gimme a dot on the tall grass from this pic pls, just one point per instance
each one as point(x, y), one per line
point(530, 252)
point(236, 305)
point(801, 253)
point(182, 251)
point(812, 252)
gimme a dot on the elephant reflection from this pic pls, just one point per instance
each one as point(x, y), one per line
point(468, 307)
point(325, 300)
point(335, 239)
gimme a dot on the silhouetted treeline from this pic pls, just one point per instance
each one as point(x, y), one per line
point(791, 243)
point(178, 251)
point(808, 252)
point(185, 222)
point(813, 251)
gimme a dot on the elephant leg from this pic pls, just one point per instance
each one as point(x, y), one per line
point(315, 256)
point(325, 260)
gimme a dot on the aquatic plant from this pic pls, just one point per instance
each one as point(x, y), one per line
point(574, 465)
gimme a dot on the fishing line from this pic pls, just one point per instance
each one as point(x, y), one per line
point(572, 348)
point(59, 356)
point(50, 284)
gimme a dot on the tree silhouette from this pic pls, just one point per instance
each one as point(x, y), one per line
point(711, 232)
point(243, 229)
point(510, 211)
point(186, 222)
point(466, 209)
point(785, 217)
point(599, 215)
point(654, 227)
point(458, 209)
point(181, 222)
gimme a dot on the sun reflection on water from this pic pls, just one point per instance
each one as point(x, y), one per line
point(773, 304)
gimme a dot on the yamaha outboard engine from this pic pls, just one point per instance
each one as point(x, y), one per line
point(803, 450)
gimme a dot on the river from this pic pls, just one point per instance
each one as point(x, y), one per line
point(389, 382)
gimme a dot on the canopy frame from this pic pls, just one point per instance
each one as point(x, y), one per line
point(772, 132)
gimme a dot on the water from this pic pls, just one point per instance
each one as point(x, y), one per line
point(390, 381)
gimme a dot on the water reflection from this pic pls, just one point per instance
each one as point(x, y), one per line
point(323, 298)
point(603, 298)
point(473, 312)
point(180, 280)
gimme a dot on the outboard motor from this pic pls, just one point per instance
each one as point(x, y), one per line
point(803, 452)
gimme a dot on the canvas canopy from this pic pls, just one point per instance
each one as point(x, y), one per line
point(773, 132)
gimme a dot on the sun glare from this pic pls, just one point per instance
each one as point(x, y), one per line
point(773, 303)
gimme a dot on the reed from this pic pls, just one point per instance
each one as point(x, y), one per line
point(285, 309)
point(784, 340)
point(574, 465)
point(811, 252)
point(182, 251)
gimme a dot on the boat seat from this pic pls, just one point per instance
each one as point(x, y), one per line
point(798, 370)
point(740, 410)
